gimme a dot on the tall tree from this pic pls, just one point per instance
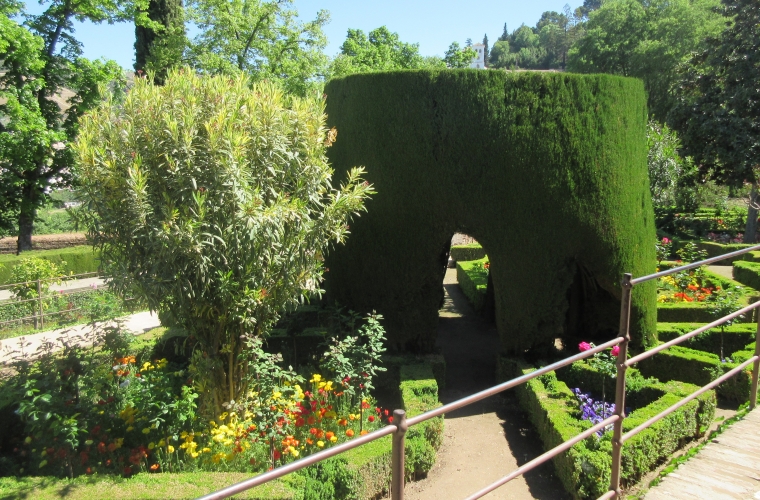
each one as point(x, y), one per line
point(160, 43)
point(718, 103)
point(504, 34)
point(42, 61)
point(381, 50)
point(459, 57)
point(263, 39)
point(647, 39)
point(486, 50)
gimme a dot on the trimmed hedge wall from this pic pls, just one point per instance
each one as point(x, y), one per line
point(473, 280)
point(747, 273)
point(714, 249)
point(585, 468)
point(735, 337)
point(471, 251)
point(698, 368)
point(81, 259)
point(560, 175)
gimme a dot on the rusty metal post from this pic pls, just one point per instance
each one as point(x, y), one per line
point(617, 444)
point(39, 302)
point(397, 452)
point(755, 368)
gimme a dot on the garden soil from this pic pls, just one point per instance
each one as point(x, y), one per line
point(485, 441)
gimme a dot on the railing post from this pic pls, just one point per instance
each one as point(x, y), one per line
point(39, 302)
point(617, 433)
point(397, 464)
point(756, 367)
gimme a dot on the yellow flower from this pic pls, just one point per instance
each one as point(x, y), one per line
point(333, 439)
point(329, 386)
point(206, 450)
point(321, 444)
point(118, 442)
point(151, 446)
point(316, 378)
point(194, 455)
point(170, 449)
point(162, 443)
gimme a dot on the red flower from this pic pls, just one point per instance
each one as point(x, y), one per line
point(371, 418)
point(300, 422)
point(390, 420)
point(616, 350)
point(277, 455)
point(88, 471)
point(101, 447)
point(584, 346)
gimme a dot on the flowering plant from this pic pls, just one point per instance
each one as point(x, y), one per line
point(594, 411)
point(602, 362)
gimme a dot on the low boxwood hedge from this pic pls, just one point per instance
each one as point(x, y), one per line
point(473, 280)
point(698, 368)
point(585, 468)
point(81, 259)
point(471, 251)
point(734, 338)
point(714, 249)
point(747, 273)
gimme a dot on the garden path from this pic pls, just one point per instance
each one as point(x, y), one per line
point(138, 324)
point(727, 468)
point(725, 271)
point(485, 441)
point(65, 287)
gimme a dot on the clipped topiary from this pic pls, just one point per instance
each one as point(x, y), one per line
point(548, 171)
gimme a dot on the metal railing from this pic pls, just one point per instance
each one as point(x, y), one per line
point(37, 303)
point(401, 423)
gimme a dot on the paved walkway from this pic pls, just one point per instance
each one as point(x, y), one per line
point(727, 468)
point(65, 287)
point(725, 271)
point(138, 324)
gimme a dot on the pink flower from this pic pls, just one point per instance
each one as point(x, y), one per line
point(616, 350)
point(584, 346)
point(665, 241)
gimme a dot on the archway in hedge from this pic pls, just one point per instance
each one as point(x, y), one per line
point(546, 170)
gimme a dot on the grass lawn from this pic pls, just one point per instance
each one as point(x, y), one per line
point(142, 486)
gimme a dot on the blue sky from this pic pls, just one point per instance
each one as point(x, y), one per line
point(434, 24)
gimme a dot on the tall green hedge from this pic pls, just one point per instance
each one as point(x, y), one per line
point(79, 259)
point(546, 170)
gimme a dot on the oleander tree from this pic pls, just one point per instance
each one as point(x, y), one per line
point(212, 198)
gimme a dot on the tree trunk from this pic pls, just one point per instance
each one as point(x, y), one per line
point(750, 230)
point(25, 226)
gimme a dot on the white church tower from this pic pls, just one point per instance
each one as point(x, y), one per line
point(478, 62)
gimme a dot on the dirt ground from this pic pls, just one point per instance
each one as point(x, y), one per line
point(45, 242)
point(485, 441)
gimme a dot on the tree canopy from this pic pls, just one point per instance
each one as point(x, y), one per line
point(44, 67)
point(645, 39)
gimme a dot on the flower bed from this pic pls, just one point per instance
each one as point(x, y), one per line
point(135, 414)
point(555, 411)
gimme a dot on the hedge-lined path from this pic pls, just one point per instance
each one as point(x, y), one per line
point(137, 323)
point(65, 287)
point(727, 468)
point(485, 441)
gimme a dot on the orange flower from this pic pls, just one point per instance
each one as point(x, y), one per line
point(343, 422)
point(154, 467)
point(329, 435)
point(363, 432)
point(350, 432)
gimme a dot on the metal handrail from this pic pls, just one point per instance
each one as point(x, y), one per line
point(401, 423)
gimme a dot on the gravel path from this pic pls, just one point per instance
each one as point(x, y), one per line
point(485, 441)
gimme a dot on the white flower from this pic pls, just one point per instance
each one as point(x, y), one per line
point(58, 146)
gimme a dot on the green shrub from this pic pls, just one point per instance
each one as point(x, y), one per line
point(747, 273)
point(560, 181)
point(73, 260)
point(735, 336)
point(471, 251)
point(473, 281)
point(714, 249)
point(698, 368)
point(585, 469)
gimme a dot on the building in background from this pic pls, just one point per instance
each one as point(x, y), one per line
point(478, 62)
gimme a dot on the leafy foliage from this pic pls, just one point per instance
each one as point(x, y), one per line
point(380, 50)
point(668, 171)
point(160, 42)
point(42, 58)
point(262, 39)
point(458, 57)
point(212, 198)
point(645, 39)
point(719, 100)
